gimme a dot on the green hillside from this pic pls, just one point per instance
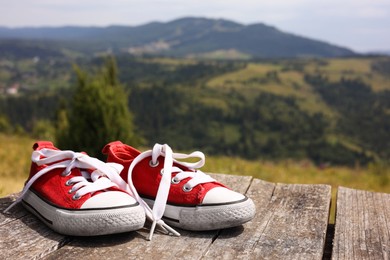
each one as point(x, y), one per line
point(273, 79)
point(287, 78)
point(331, 111)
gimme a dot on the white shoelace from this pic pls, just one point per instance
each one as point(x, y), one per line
point(104, 176)
point(197, 177)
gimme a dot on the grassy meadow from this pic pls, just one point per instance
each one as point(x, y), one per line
point(284, 78)
point(287, 79)
point(15, 153)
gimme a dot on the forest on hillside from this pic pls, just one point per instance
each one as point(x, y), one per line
point(334, 111)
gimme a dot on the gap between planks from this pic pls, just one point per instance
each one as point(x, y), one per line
point(194, 241)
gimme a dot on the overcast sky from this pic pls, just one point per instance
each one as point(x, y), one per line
point(363, 25)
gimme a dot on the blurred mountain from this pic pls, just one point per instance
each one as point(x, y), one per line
point(196, 37)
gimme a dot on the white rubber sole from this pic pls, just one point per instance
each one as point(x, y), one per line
point(86, 222)
point(208, 217)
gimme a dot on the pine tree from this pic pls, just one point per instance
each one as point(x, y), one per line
point(98, 113)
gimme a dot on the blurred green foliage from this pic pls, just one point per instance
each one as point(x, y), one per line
point(331, 111)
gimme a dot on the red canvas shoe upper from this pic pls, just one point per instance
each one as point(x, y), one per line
point(69, 180)
point(146, 175)
point(158, 175)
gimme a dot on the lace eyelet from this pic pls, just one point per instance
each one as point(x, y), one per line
point(70, 191)
point(186, 188)
point(175, 181)
point(68, 183)
point(76, 197)
point(162, 172)
point(151, 164)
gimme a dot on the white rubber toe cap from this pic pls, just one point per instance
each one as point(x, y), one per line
point(109, 199)
point(221, 195)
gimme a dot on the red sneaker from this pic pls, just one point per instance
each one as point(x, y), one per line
point(73, 194)
point(179, 194)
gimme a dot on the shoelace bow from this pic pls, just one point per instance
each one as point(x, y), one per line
point(105, 175)
point(197, 177)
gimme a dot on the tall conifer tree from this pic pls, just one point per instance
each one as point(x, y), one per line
point(98, 113)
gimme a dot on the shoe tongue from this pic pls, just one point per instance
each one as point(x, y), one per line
point(119, 152)
point(176, 169)
point(43, 144)
point(85, 173)
point(116, 166)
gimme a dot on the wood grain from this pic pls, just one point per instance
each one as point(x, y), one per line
point(362, 228)
point(15, 213)
point(291, 223)
point(133, 245)
point(23, 236)
point(240, 242)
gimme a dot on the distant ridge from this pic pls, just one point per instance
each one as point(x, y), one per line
point(182, 37)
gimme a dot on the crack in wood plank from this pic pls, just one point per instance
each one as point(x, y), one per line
point(291, 223)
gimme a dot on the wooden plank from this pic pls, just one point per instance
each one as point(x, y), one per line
point(15, 213)
point(133, 245)
point(238, 242)
point(291, 223)
point(362, 225)
point(238, 183)
point(23, 236)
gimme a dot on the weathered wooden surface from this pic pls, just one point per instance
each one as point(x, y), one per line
point(191, 245)
point(22, 236)
point(291, 223)
point(362, 225)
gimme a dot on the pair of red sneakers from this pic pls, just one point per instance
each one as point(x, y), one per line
point(78, 195)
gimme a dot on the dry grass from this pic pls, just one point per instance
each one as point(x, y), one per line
point(15, 153)
point(372, 178)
